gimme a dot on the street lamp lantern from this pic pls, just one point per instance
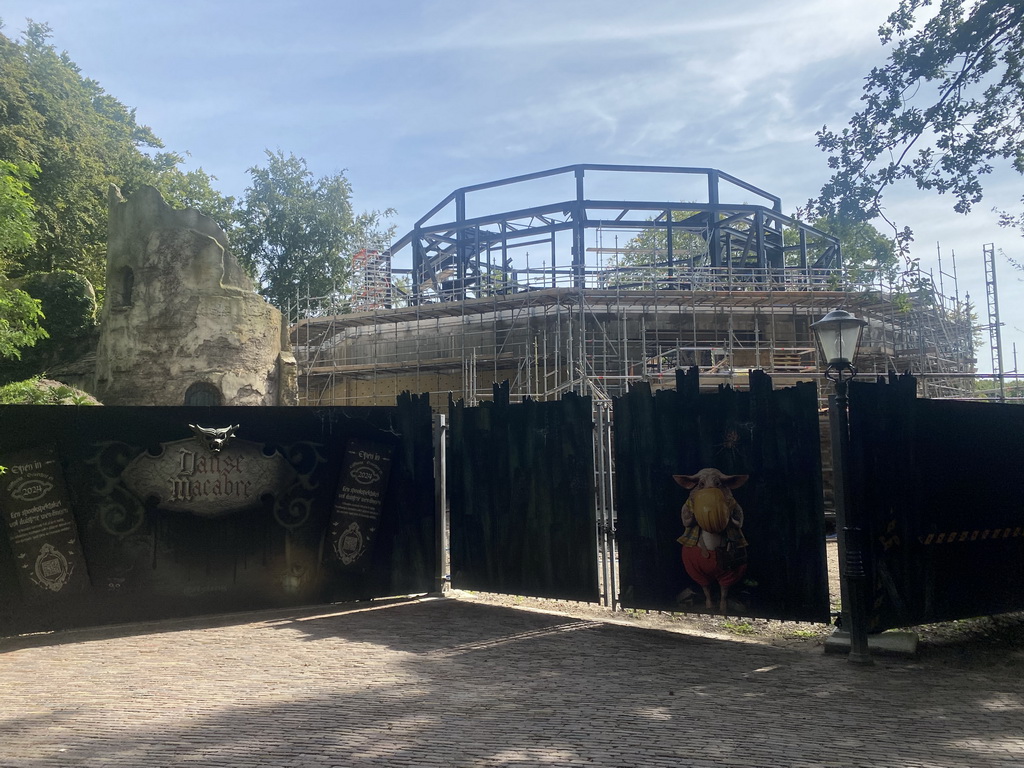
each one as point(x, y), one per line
point(838, 335)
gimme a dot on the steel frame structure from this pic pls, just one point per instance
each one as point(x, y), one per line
point(456, 256)
point(624, 291)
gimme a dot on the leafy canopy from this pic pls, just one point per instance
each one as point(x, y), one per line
point(868, 255)
point(68, 304)
point(297, 233)
point(20, 314)
point(64, 140)
point(17, 225)
point(643, 260)
point(947, 104)
point(20, 317)
point(72, 139)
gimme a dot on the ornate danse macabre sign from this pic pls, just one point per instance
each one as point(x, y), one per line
point(40, 525)
point(190, 475)
point(358, 504)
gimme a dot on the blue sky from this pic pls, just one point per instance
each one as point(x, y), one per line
point(416, 98)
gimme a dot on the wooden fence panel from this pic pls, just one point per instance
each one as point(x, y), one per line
point(521, 485)
point(770, 435)
point(167, 527)
point(939, 486)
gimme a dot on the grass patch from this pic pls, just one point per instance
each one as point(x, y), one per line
point(805, 633)
point(39, 391)
point(738, 628)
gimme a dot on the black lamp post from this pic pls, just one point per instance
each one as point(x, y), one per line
point(839, 335)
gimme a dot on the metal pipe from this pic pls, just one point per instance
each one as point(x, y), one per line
point(853, 577)
point(442, 578)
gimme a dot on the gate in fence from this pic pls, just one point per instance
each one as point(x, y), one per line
point(533, 511)
point(720, 500)
point(521, 487)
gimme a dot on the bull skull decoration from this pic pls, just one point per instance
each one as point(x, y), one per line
point(214, 438)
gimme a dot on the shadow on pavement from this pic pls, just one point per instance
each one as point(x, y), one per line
point(453, 683)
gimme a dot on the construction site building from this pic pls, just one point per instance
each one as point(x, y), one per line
point(570, 288)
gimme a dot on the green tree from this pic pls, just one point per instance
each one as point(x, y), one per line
point(644, 258)
point(948, 103)
point(194, 189)
point(20, 314)
point(68, 304)
point(17, 223)
point(182, 189)
point(20, 317)
point(81, 139)
point(297, 233)
point(867, 253)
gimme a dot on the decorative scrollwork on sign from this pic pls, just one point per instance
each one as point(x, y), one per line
point(305, 457)
point(118, 510)
point(292, 513)
point(120, 513)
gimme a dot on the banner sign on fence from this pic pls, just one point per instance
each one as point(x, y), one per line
point(40, 526)
point(359, 501)
point(189, 476)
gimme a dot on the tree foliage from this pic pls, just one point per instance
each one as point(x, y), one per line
point(643, 259)
point(297, 233)
point(64, 140)
point(194, 189)
point(17, 209)
point(68, 304)
point(867, 253)
point(947, 104)
point(80, 139)
point(20, 317)
point(20, 314)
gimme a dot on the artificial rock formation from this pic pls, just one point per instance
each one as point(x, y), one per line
point(182, 323)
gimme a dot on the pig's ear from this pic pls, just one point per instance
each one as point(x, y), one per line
point(689, 481)
point(734, 481)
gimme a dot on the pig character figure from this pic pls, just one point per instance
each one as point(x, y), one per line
point(714, 549)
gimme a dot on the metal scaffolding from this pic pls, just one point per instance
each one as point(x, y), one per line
point(371, 274)
point(589, 295)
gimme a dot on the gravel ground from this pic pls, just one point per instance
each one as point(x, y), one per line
point(982, 642)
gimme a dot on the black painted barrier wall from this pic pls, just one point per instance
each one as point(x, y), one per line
point(939, 486)
point(115, 514)
point(521, 485)
point(770, 435)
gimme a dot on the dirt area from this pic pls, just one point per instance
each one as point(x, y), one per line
point(982, 642)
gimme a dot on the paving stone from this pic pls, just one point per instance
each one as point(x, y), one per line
point(457, 684)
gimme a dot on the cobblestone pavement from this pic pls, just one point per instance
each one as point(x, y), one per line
point(457, 683)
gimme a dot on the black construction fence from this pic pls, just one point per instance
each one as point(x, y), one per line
point(521, 488)
point(116, 514)
point(939, 488)
point(774, 564)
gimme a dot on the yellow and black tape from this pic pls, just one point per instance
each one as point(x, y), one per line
point(988, 534)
